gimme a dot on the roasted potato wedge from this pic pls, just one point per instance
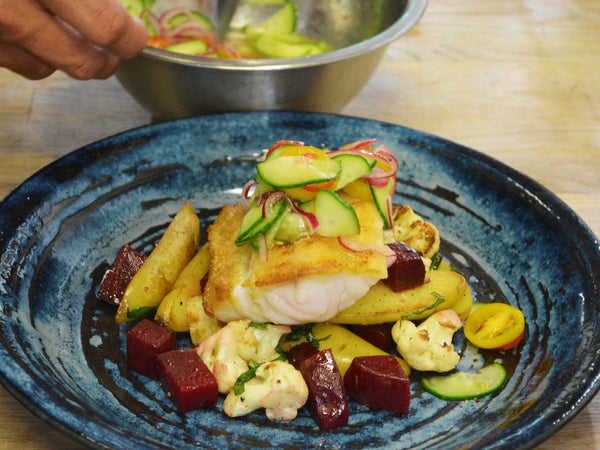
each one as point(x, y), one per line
point(172, 311)
point(201, 325)
point(157, 275)
point(464, 305)
point(381, 304)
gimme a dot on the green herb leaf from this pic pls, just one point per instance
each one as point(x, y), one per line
point(140, 312)
point(436, 261)
point(304, 331)
point(440, 299)
point(239, 386)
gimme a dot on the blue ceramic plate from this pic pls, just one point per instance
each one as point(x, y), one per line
point(63, 356)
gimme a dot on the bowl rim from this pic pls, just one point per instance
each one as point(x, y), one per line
point(415, 9)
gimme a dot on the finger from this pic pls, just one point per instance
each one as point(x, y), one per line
point(52, 41)
point(105, 23)
point(23, 62)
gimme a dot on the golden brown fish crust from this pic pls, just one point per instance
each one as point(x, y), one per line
point(233, 266)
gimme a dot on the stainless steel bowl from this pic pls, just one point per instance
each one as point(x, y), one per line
point(172, 85)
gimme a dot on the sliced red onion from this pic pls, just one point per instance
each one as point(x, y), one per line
point(388, 157)
point(310, 218)
point(358, 144)
point(152, 19)
point(263, 248)
point(246, 191)
point(381, 154)
point(269, 198)
point(357, 151)
point(357, 247)
point(192, 30)
point(378, 177)
point(275, 196)
point(172, 12)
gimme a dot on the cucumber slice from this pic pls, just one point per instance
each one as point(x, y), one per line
point(382, 198)
point(193, 47)
point(335, 216)
point(282, 21)
point(269, 235)
point(198, 17)
point(254, 223)
point(466, 385)
point(278, 151)
point(292, 228)
point(250, 220)
point(274, 45)
point(152, 31)
point(287, 172)
point(353, 167)
point(134, 7)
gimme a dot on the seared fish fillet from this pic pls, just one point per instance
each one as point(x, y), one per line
point(309, 281)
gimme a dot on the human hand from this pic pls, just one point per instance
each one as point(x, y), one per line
point(84, 38)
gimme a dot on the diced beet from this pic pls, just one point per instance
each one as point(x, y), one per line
point(298, 353)
point(327, 399)
point(378, 382)
point(145, 341)
point(380, 335)
point(117, 277)
point(188, 381)
point(408, 271)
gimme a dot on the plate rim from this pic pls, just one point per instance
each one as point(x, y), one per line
point(526, 182)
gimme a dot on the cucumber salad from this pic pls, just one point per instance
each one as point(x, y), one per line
point(314, 227)
point(189, 31)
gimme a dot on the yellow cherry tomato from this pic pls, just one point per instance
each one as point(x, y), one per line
point(495, 326)
point(359, 189)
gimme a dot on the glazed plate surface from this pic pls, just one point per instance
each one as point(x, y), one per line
point(63, 356)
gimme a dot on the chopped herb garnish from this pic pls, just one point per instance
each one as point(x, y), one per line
point(259, 326)
point(239, 386)
point(281, 351)
point(439, 300)
point(304, 331)
point(436, 260)
point(140, 312)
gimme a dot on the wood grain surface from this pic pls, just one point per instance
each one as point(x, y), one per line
point(517, 80)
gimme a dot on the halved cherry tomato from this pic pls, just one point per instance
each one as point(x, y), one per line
point(278, 144)
point(159, 42)
point(359, 189)
point(495, 326)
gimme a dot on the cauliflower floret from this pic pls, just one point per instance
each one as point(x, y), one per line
point(429, 345)
point(228, 351)
point(411, 229)
point(278, 387)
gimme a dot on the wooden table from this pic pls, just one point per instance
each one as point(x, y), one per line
point(519, 81)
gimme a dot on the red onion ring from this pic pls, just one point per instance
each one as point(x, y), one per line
point(263, 248)
point(172, 12)
point(358, 144)
point(309, 218)
point(357, 247)
point(246, 192)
